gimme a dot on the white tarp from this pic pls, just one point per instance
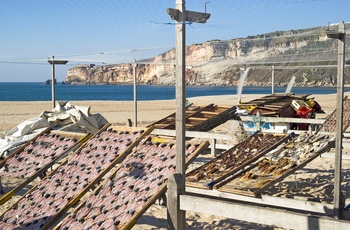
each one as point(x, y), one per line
point(63, 117)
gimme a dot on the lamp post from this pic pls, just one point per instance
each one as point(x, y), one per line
point(135, 93)
point(176, 185)
point(205, 7)
point(338, 202)
point(54, 62)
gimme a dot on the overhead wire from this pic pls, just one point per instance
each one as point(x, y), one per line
point(95, 11)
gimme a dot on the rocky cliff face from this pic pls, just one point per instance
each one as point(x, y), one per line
point(220, 63)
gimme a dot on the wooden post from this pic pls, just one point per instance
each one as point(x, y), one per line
point(176, 220)
point(213, 147)
point(180, 111)
point(338, 201)
point(181, 16)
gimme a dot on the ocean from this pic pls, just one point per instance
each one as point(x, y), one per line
point(37, 91)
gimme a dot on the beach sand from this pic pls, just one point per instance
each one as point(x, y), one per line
point(314, 181)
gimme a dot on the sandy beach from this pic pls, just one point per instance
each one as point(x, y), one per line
point(315, 180)
point(118, 112)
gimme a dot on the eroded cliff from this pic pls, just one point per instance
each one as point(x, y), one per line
point(221, 62)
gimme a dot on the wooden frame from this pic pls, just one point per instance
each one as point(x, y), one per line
point(254, 174)
point(131, 222)
point(239, 161)
point(82, 139)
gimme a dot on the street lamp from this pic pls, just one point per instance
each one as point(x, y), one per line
point(176, 185)
point(205, 7)
point(338, 201)
point(54, 62)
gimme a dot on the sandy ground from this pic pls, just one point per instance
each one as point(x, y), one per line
point(118, 112)
point(314, 182)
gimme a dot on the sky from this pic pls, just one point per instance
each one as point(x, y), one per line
point(116, 31)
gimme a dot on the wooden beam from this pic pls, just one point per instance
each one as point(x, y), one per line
point(259, 214)
point(313, 207)
point(208, 135)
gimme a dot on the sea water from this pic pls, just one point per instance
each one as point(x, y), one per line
point(37, 91)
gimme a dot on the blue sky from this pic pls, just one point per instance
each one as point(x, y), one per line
point(80, 30)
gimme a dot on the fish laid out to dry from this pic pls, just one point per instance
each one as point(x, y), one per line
point(52, 195)
point(129, 190)
point(37, 154)
point(277, 164)
point(233, 159)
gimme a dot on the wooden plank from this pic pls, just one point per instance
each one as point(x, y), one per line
point(259, 214)
point(201, 118)
point(272, 201)
point(194, 134)
point(197, 119)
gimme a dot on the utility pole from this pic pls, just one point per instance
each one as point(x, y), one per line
point(54, 62)
point(135, 93)
point(338, 196)
point(176, 184)
point(273, 80)
point(53, 80)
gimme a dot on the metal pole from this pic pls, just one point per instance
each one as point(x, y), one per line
point(205, 7)
point(135, 93)
point(338, 201)
point(273, 80)
point(53, 83)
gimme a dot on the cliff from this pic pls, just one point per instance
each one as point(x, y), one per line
point(219, 62)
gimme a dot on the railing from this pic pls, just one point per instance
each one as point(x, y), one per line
point(214, 137)
point(211, 136)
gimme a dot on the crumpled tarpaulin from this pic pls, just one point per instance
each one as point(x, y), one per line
point(64, 117)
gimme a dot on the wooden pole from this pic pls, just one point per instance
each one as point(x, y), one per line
point(181, 16)
point(180, 104)
point(338, 199)
point(180, 89)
